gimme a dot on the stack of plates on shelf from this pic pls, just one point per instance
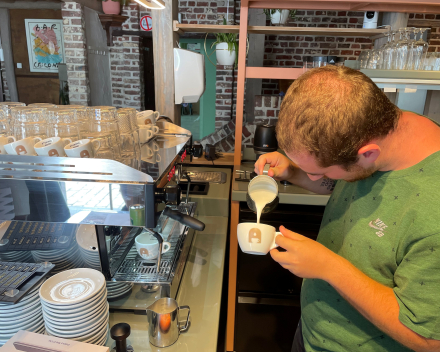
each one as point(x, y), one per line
point(75, 306)
point(17, 256)
point(88, 246)
point(64, 259)
point(24, 315)
point(116, 290)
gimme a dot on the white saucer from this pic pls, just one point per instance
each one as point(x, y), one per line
point(72, 286)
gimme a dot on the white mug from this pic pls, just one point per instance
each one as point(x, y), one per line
point(24, 146)
point(148, 246)
point(147, 117)
point(256, 238)
point(145, 134)
point(3, 141)
point(84, 148)
point(53, 146)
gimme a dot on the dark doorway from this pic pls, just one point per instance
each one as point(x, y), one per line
point(150, 102)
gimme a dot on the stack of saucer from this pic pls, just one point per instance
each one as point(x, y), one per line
point(64, 259)
point(75, 306)
point(116, 290)
point(24, 315)
point(88, 246)
point(17, 256)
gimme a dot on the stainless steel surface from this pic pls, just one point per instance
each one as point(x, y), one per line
point(88, 191)
point(269, 206)
point(163, 320)
point(207, 176)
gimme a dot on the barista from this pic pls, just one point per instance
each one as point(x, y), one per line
point(372, 278)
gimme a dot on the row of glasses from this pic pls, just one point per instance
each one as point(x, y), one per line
point(400, 52)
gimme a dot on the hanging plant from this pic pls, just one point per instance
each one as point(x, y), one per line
point(226, 42)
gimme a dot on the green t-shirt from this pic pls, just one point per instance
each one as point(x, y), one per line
point(388, 226)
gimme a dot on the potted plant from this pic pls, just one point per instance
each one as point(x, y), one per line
point(226, 47)
point(279, 17)
point(113, 7)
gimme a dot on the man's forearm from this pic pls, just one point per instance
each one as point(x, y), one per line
point(375, 302)
point(321, 186)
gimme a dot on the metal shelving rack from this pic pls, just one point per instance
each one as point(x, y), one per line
point(405, 6)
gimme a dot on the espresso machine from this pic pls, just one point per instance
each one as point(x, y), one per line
point(46, 202)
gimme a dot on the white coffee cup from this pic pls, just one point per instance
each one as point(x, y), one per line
point(3, 141)
point(84, 148)
point(53, 146)
point(147, 117)
point(24, 146)
point(148, 247)
point(256, 238)
point(145, 134)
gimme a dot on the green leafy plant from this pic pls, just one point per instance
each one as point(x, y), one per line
point(269, 12)
point(230, 39)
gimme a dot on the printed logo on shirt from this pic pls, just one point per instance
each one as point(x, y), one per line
point(378, 225)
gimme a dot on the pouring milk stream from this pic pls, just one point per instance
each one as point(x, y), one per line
point(262, 189)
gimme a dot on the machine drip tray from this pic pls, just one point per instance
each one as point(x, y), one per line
point(196, 188)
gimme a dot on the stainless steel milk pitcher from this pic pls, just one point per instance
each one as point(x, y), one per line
point(163, 319)
point(270, 184)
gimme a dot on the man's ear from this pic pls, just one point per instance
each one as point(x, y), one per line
point(368, 154)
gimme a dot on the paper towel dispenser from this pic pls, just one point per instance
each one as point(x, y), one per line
point(189, 76)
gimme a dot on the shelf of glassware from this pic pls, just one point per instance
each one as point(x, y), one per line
point(405, 79)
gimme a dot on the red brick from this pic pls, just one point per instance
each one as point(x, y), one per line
point(346, 52)
point(342, 13)
point(270, 113)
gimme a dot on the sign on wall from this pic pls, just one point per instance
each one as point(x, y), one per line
point(45, 44)
point(146, 23)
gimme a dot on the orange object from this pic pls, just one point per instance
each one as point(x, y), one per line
point(165, 322)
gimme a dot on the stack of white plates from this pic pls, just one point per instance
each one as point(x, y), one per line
point(64, 259)
point(24, 315)
point(116, 290)
point(88, 246)
point(75, 306)
point(17, 256)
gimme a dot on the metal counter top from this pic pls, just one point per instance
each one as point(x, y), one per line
point(201, 289)
point(290, 194)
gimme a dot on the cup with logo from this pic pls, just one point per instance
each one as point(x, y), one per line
point(53, 146)
point(256, 238)
point(4, 141)
point(84, 148)
point(24, 146)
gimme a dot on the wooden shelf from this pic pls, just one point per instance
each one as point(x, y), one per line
point(418, 6)
point(274, 72)
point(342, 32)
point(110, 23)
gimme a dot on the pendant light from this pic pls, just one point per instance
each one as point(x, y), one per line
point(152, 4)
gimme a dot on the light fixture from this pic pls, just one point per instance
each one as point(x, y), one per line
point(152, 4)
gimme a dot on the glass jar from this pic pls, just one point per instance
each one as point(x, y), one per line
point(319, 61)
point(307, 63)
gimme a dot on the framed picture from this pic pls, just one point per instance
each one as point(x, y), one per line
point(45, 44)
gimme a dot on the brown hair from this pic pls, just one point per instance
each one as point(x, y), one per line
point(331, 112)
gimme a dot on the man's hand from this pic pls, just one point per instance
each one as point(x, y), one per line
point(281, 166)
point(304, 257)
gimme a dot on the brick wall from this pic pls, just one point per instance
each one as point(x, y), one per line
point(226, 87)
point(3, 80)
point(75, 50)
point(126, 63)
point(207, 12)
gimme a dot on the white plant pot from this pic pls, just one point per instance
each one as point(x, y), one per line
point(224, 56)
point(279, 18)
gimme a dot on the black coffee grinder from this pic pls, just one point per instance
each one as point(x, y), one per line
point(265, 140)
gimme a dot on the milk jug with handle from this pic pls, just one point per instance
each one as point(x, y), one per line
point(262, 195)
point(163, 319)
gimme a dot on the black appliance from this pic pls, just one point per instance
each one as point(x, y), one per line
point(268, 302)
point(265, 139)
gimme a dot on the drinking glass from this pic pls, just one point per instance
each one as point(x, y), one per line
point(128, 133)
point(6, 121)
point(29, 122)
point(373, 59)
point(420, 50)
point(363, 58)
point(81, 116)
point(63, 123)
point(429, 62)
point(412, 50)
point(437, 62)
point(402, 47)
point(103, 124)
point(43, 105)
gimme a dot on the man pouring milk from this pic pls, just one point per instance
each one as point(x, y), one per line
point(372, 278)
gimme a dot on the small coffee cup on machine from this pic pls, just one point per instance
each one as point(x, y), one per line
point(84, 148)
point(255, 238)
point(24, 146)
point(4, 141)
point(53, 146)
point(148, 246)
